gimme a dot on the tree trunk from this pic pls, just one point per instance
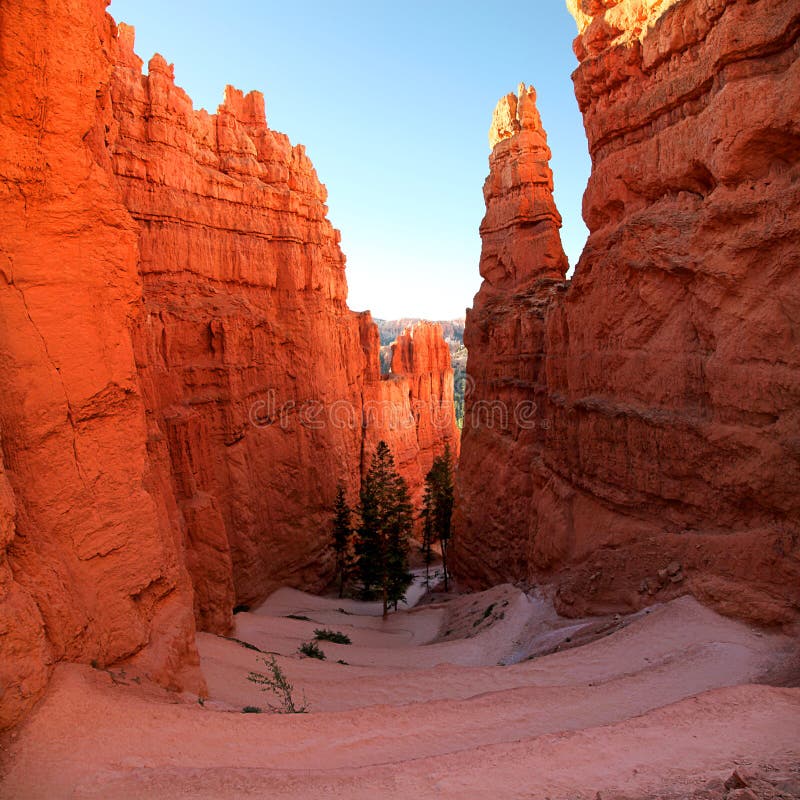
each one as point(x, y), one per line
point(444, 563)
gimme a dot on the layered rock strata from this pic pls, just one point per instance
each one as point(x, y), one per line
point(420, 387)
point(90, 567)
point(182, 383)
point(662, 456)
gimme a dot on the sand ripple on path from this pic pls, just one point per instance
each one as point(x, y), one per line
point(667, 698)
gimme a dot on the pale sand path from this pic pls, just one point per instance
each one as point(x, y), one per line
point(637, 710)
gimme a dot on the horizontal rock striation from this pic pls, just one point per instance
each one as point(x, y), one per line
point(663, 456)
point(244, 341)
point(182, 383)
point(90, 568)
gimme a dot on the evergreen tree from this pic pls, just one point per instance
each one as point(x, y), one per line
point(426, 548)
point(368, 544)
point(438, 504)
point(386, 521)
point(342, 533)
point(401, 521)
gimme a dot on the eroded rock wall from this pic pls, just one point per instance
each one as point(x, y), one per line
point(420, 384)
point(182, 383)
point(90, 569)
point(244, 342)
point(666, 375)
point(265, 389)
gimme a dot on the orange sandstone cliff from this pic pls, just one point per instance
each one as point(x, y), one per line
point(182, 383)
point(244, 340)
point(653, 401)
point(91, 568)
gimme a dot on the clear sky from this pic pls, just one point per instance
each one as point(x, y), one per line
point(393, 101)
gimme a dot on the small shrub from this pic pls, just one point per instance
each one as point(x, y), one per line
point(240, 608)
point(301, 617)
point(311, 649)
point(277, 683)
point(337, 637)
point(489, 610)
point(243, 643)
point(342, 662)
point(251, 710)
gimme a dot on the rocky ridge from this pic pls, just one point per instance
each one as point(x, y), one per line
point(662, 381)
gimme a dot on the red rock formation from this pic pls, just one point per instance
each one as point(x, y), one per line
point(245, 322)
point(421, 356)
point(183, 385)
point(244, 340)
point(90, 568)
point(523, 266)
point(211, 438)
point(666, 377)
point(412, 407)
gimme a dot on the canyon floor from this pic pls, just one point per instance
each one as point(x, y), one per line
point(471, 696)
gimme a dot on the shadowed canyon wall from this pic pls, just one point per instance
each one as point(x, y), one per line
point(653, 401)
point(182, 383)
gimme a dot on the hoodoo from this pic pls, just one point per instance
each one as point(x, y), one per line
point(632, 433)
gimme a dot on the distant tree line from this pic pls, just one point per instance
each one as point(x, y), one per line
point(373, 552)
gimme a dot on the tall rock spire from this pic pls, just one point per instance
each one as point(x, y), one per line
point(645, 414)
point(521, 242)
point(523, 266)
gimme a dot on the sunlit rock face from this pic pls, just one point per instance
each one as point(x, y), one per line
point(421, 361)
point(90, 568)
point(244, 340)
point(666, 375)
point(265, 389)
point(182, 383)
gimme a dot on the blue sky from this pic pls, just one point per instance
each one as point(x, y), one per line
point(393, 102)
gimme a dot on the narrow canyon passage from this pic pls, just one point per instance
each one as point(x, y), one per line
point(421, 705)
point(200, 433)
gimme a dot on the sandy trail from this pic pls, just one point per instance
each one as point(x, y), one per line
point(421, 709)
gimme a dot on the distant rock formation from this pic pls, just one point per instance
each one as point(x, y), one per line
point(421, 358)
point(453, 332)
point(654, 400)
point(182, 383)
point(390, 329)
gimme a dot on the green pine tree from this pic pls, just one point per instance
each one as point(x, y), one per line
point(386, 522)
point(342, 534)
point(438, 505)
point(426, 548)
point(401, 521)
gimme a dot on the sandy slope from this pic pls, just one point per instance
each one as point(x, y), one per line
point(421, 709)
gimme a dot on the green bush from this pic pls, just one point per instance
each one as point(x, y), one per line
point(337, 637)
point(311, 649)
